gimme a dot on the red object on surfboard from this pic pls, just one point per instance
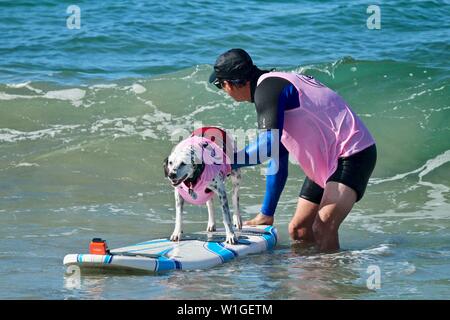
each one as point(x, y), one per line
point(98, 246)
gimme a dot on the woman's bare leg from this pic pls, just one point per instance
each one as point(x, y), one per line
point(301, 225)
point(337, 201)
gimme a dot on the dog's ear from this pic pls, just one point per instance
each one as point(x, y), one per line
point(166, 170)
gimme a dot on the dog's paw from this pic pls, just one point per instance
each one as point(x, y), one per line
point(211, 228)
point(231, 239)
point(176, 236)
point(237, 221)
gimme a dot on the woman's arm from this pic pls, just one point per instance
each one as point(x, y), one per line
point(275, 181)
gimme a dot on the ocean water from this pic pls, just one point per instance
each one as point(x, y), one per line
point(88, 115)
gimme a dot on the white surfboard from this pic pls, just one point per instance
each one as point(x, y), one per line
point(196, 251)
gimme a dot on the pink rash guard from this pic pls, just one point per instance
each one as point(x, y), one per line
point(322, 129)
point(215, 161)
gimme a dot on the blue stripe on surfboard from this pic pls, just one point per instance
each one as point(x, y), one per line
point(164, 263)
point(177, 264)
point(271, 239)
point(229, 249)
point(107, 259)
point(274, 232)
point(224, 254)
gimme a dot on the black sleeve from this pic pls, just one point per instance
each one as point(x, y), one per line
point(267, 94)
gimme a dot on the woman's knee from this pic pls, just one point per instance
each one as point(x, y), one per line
point(300, 227)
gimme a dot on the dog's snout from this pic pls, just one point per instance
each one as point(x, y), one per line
point(172, 175)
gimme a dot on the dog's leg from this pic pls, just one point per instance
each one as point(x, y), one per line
point(218, 186)
point(236, 180)
point(179, 202)
point(211, 216)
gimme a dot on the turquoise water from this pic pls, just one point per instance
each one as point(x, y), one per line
point(87, 117)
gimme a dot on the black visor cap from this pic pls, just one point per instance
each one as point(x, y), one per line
point(235, 64)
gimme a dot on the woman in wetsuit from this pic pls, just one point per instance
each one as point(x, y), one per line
point(315, 125)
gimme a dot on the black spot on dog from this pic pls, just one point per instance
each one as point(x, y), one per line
point(166, 169)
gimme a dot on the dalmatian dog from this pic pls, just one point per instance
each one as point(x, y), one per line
point(197, 171)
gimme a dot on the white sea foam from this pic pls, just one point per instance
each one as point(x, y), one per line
point(75, 95)
point(434, 163)
point(399, 268)
point(143, 126)
point(7, 96)
point(436, 207)
point(436, 196)
point(200, 109)
point(103, 86)
point(353, 256)
point(381, 250)
point(418, 94)
point(23, 85)
point(26, 164)
point(436, 191)
point(429, 166)
point(148, 133)
point(328, 68)
point(192, 74)
point(18, 85)
point(137, 88)
point(11, 135)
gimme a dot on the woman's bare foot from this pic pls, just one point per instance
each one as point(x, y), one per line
point(260, 219)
